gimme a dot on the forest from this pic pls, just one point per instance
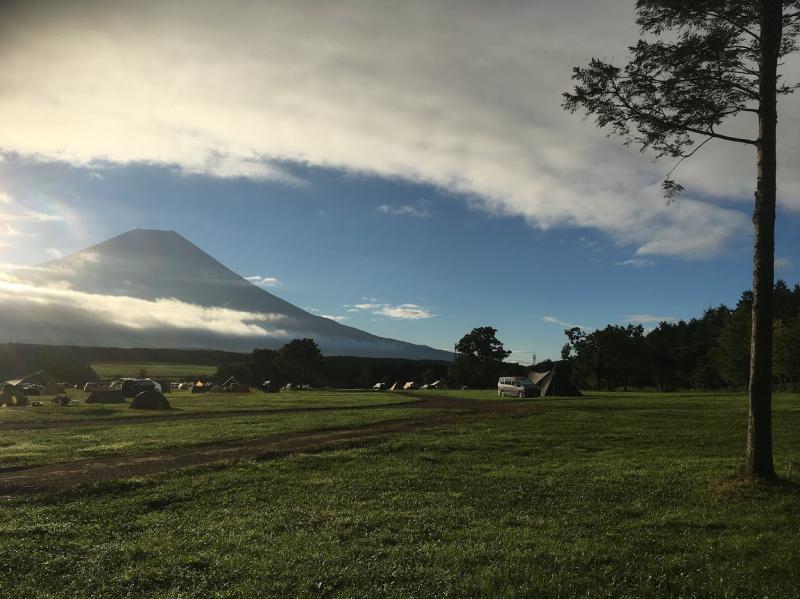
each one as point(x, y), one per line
point(708, 352)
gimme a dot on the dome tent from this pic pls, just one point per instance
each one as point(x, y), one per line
point(9, 396)
point(106, 396)
point(150, 400)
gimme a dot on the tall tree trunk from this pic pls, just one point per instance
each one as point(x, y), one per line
point(758, 463)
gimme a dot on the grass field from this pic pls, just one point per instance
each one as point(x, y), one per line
point(155, 370)
point(619, 495)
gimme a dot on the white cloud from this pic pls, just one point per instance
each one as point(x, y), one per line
point(137, 314)
point(400, 311)
point(5, 198)
point(558, 321)
point(648, 318)
point(264, 281)
point(53, 253)
point(334, 317)
point(636, 263)
point(465, 96)
point(404, 210)
point(405, 311)
point(783, 263)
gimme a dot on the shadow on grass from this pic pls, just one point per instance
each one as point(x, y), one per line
point(740, 486)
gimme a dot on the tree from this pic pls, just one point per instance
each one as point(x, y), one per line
point(704, 62)
point(479, 357)
point(300, 362)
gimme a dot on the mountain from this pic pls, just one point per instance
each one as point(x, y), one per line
point(149, 288)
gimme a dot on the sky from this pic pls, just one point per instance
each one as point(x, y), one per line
point(405, 168)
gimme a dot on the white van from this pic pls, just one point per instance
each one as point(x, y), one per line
point(516, 386)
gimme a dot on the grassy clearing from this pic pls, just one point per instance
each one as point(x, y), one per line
point(39, 447)
point(158, 369)
point(624, 496)
point(188, 403)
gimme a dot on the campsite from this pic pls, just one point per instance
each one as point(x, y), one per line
point(420, 299)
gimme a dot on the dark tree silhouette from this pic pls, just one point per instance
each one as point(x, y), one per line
point(700, 63)
point(479, 357)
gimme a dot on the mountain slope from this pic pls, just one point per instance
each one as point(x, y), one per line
point(153, 288)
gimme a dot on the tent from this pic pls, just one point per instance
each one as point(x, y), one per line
point(52, 388)
point(554, 384)
point(410, 385)
point(395, 387)
point(150, 400)
point(40, 377)
point(9, 396)
point(166, 386)
point(199, 387)
point(106, 396)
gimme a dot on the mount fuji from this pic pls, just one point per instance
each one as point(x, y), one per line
point(150, 288)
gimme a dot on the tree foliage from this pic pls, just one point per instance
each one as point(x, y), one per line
point(696, 67)
point(479, 359)
point(708, 352)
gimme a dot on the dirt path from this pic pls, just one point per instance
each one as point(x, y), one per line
point(62, 476)
point(178, 415)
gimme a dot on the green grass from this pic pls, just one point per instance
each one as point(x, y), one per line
point(39, 447)
point(619, 496)
point(155, 370)
point(188, 403)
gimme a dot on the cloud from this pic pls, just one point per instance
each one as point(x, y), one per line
point(264, 281)
point(783, 263)
point(333, 317)
point(404, 210)
point(464, 96)
point(554, 320)
point(53, 253)
point(636, 263)
point(400, 311)
point(648, 318)
point(5, 198)
point(137, 314)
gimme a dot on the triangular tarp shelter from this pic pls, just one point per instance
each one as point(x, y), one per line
point(394, 387)
point(40, 377)
point(199, 387)
point(554, 384)
point(150, 400)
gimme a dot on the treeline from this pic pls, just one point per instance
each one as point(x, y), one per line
point(18, 359)
point(709, 352)
point(300, 362)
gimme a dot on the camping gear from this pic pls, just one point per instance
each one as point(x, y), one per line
point(62, 400)
point(150, 400)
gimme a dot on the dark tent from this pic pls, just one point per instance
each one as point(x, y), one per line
point(165, 386)
point(10, 396)
point(554, 384)
point(150, 400)
point(106, 396)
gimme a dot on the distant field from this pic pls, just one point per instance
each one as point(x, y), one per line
point(153, 370)
point(611, 495)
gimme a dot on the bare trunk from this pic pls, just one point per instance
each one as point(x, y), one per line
point(759, 424)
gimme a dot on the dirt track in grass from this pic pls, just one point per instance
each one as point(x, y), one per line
point(66, 475)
